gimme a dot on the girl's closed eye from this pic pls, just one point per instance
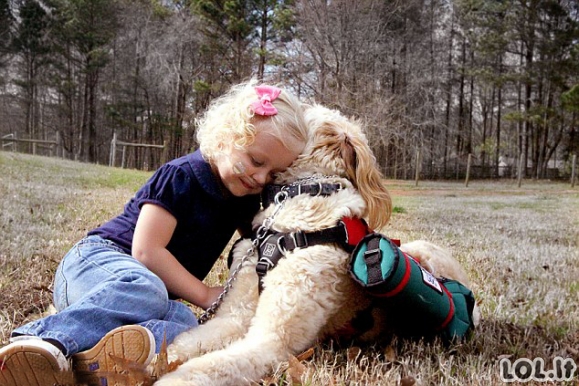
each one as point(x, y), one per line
point(256, 162)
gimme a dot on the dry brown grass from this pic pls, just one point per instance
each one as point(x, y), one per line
point(46, 205)
point(519, 245)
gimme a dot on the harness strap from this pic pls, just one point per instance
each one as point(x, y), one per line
point(300, 239)
point(318, 189)
point(347, 233)
point(373, 260)
point(269, 254)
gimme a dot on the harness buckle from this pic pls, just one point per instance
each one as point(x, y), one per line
point(298, 239)
point(263, 265)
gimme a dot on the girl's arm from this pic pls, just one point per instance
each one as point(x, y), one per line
point(153, 232)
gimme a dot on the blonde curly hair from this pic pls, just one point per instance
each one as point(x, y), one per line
point(229, 120)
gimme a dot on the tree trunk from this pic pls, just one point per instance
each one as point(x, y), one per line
point(262, 43)
point(93, 77)
point(461, 118)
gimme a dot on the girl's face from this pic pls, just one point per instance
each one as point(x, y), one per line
point(247, 171)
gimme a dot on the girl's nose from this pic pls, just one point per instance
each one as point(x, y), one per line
point(261, 176)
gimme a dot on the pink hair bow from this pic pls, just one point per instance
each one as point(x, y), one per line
point(265, 96)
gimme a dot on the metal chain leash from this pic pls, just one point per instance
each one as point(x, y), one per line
point(262, 231)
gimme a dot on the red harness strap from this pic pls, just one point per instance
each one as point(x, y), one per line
point(356, 229)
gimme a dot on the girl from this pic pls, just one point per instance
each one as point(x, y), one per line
point(115, 288)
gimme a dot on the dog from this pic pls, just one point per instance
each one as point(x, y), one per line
point(310, 294)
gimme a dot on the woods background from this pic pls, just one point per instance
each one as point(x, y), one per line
point(433, 80)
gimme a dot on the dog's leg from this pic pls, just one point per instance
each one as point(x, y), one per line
point(231, 320)
point(299, 297)
point(353, 302)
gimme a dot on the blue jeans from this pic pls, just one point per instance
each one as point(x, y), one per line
point(97, 288)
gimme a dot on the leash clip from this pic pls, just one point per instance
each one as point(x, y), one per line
point(281, 196)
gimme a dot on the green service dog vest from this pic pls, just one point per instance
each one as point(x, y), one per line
point(418, 304)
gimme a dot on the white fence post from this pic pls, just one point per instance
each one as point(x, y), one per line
point(417, 170)
point(573, 170)
point(113, 150)
point(520, 171)
point(468, 169)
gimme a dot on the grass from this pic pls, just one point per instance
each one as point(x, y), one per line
point(519, 245)
point(46, 205)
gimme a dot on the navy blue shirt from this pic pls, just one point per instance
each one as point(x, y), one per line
point(206, 216)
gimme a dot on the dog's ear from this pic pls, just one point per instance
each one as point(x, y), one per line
point(338, 145)
point(348, 155)
point(362, 170)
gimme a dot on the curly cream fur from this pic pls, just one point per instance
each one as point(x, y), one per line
point(309, 294)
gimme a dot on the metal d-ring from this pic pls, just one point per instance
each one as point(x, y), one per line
point(280, 247)
point(319, 189)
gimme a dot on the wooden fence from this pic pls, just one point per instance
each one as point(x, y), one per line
point(470, 171)
point(55, 148)
point(124, 145)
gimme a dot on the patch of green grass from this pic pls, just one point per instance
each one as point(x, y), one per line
point(574, 288)
point(398, 209)
point(113, 178)
point(497, 205)
point(70, 174)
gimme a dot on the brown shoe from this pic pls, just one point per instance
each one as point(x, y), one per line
point(124, 350)
point(30, 361)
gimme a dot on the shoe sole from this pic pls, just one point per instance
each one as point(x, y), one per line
point(121, 349)
point(31, 366)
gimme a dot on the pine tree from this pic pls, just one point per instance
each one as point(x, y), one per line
point(87, 28)
point(30, 45)
point(6, 26)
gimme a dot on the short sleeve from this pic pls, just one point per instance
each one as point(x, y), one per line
point(170, 188)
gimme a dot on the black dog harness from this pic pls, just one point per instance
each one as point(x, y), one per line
point(346, 233)
point(317, 189)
